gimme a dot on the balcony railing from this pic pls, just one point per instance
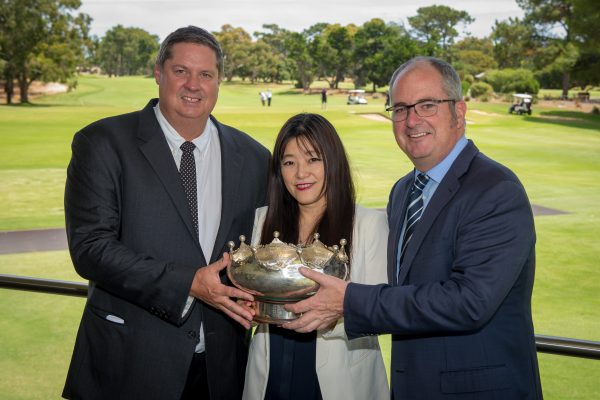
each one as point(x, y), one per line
point(544, 344)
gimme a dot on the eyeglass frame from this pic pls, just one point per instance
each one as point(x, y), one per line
point(413, 106)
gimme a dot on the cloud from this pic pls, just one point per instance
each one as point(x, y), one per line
point(160, 17)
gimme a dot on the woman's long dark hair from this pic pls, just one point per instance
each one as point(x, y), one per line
point(283, 215)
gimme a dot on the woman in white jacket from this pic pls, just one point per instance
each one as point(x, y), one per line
point(311, 190)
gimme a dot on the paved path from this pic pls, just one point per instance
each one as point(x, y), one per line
point(56, 239)
point(35, 240)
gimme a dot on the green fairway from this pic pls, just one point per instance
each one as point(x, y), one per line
point(555, 153)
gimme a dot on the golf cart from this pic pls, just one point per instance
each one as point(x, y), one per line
point(521, 104)
point(356, 96)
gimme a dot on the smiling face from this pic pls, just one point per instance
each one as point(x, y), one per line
point(188, 87)
point(303, 173)
point(426, 140)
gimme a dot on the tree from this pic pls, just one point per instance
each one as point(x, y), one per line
point(554, 63)
point(335, 53)
point(294, 58)
point(585, 25)
point(90, 58)
point(474, 55)
point(264, 63)
point(563, 27)
point(237, 47)
point(379, 50)
point(40, 40)
point(297, 49)
point(127, 51)
point(398, 47)
point(436, 27)
point(586, 71)
point(514, 43)
point(274, 36)
point(276, 55)
point(319, 49)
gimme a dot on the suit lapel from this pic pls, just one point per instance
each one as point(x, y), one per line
point(396, 219)
point(156, 150)
point(231, 173)
point(446, 190)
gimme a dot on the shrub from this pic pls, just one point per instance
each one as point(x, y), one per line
point(465, 87)
point(466, 82)
point(481, 90)
point(512, 81)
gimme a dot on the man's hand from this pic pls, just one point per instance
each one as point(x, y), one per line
point(207, 287)
point(251, 307)
point(323, 309)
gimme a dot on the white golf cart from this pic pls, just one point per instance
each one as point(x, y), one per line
point(521, 104)
point(356, 96)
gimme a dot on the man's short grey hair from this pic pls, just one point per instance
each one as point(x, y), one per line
point(190, 34)
point(450, 79)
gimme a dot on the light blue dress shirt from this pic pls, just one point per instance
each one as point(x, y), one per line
point(435, 174)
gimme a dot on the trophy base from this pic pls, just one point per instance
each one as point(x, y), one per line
point(273, 313)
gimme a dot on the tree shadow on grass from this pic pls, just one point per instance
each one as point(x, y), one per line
point(33, 105)
point(290, 92)
point(51, 104)
point(572, 119)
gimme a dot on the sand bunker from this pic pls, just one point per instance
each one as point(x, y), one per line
point(375, 117)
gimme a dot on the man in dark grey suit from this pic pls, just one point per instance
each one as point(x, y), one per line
point(160, 323)
point(461, 259)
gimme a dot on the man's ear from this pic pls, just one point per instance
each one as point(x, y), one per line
point(461, 112)
point(157, 73)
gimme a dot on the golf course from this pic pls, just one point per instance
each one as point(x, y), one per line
point(555, 152)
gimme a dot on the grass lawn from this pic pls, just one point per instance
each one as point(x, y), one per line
point(557, 93)
point(555, 153)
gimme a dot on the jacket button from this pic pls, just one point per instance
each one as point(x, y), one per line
point(192, 334)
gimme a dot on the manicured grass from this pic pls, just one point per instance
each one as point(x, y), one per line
point(556, 93)
point(37, 331)
point(554, 152)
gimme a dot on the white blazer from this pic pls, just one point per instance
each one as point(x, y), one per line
point(347, 370)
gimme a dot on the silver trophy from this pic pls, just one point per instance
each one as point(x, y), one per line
point(270, 273)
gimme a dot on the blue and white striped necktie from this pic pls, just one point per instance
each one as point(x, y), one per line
point(414, 210)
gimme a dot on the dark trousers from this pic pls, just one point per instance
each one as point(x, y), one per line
point(196, 385)
point(292, 373)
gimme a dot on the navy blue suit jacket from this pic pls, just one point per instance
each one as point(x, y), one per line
point(460, 316)
point(130, 234)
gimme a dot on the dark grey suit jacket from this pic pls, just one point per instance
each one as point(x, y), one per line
point(461, 313)
point(130, 234)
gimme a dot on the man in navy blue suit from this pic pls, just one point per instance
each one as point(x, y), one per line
point(461, 259)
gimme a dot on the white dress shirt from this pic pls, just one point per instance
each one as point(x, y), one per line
point(207, 156)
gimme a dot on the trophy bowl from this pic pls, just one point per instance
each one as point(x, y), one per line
point(270, 273)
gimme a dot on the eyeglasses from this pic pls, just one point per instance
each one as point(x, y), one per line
point(423, 108)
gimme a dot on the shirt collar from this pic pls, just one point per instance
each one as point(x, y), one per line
point(175, 140)
point(438, 172)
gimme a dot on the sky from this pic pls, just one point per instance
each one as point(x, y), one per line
point(160, 17)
